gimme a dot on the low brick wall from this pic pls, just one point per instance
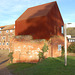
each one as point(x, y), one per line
point(55, 41)
point(26, 50)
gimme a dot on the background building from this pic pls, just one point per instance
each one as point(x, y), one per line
point(45, 25)
point(5, 33)
point(71, 32)
point(71, 38)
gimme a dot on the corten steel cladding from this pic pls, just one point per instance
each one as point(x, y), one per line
point(40, 21)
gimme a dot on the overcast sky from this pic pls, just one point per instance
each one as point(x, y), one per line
point(10, 10)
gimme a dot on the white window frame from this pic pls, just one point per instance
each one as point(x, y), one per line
point(11, 30)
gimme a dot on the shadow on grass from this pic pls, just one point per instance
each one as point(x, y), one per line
point(4, 61)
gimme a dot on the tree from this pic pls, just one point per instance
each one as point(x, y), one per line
point(44, 49)
point(70, 31)
point(11, 56)
point(71, 48)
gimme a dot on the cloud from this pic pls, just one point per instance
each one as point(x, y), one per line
point(10, 6)
point(10, 10)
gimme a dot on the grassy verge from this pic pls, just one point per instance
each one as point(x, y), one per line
point(50, 66)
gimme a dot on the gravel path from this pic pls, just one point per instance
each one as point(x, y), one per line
point(4, 60)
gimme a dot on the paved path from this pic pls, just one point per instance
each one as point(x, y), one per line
point(4, 60)
point(5, 71)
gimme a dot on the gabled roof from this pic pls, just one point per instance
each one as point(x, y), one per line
point(8, 27)
point(37, 11)
point(2, 26)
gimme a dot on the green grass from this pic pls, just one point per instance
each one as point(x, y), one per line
point(49, 66)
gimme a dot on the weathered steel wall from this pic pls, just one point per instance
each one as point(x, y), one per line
point(40, 27)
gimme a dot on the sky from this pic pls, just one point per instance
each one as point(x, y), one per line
point(10, 10)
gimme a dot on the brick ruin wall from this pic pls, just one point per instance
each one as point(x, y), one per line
point(25, 49)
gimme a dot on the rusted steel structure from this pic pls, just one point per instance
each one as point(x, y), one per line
point(41, 21)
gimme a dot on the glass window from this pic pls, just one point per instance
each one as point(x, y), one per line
point(62, 29)
point(73, 40)
point(10, 30)
point(7, 43)
point(14, 26)
point(69, 40)
point(3, 43)
point(0, 31)
point(7, 31)
point(3, 37)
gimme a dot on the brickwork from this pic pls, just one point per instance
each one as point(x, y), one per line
point(5, 35)
point(55, 41)
point(27, 50)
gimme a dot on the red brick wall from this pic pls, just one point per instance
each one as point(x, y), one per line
point(7, 37)
point(55, 41)
point(27, 50)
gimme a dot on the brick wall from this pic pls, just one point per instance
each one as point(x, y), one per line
point(26, 50)
point(55, 41)
point(7, 36)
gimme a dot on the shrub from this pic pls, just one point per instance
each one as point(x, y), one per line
point(71, 48)
point(63, 50)
point(44, 49)
point(11, 56)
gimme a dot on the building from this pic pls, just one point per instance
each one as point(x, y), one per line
point(5, 33)
point(70, 25)
point(45, 24)
point(71, 38)
point(70, 32)
point(41, 21)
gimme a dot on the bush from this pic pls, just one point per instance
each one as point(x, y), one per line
point(71, 48)
point(63, 50)
point(11, 56)
point(41, 54)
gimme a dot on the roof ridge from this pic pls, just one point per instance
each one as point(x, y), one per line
point(42, 4)
point(36, 11)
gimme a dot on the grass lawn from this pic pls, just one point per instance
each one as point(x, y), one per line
point(50, 66)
